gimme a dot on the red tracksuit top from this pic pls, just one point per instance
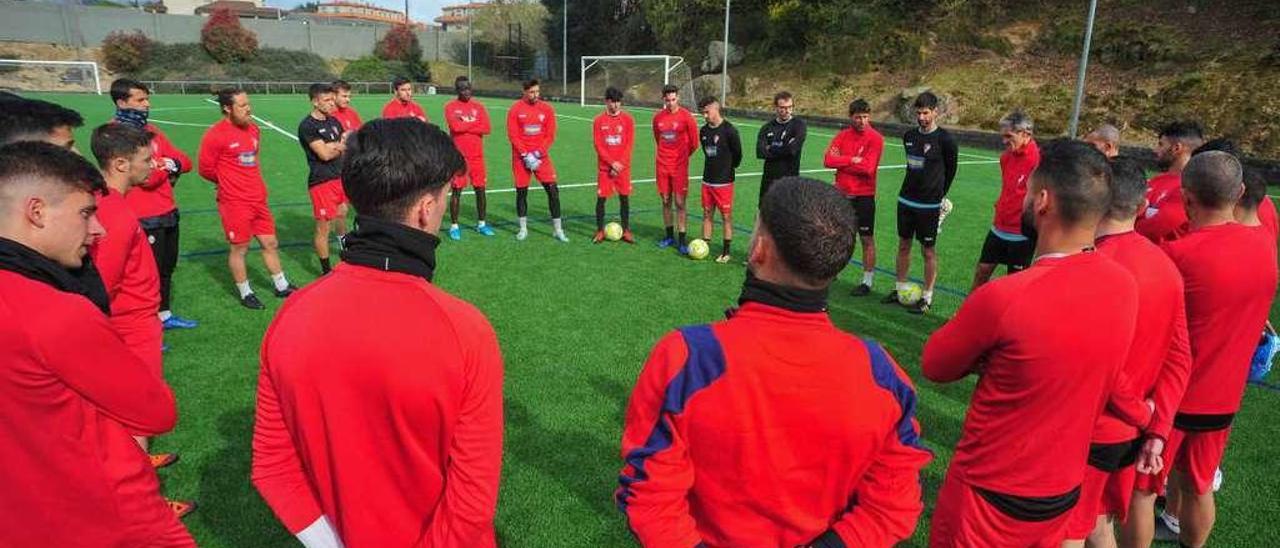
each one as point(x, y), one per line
point(1160, 358)
point(229, 159)
point(71, 395)
point(1230, 276)
point(349, 118)
point(393, 427)
point(154, 197)
point(128, 270)
point(1015, 170)
point(615, 139)
point(1267, 214)
point(1166, 215)
point(1047, 343)
point(395, 108)
point(855, 179)
point(769, 429)
point(468, 124)
point(676, 135)
point(531, 127)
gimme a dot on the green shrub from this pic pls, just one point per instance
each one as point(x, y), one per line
point(226, 39)
point(127, 52)
point(373, 69)
point(1122, 44)
point(192, 62)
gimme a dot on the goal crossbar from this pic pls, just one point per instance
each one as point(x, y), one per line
point(97, 83)
point(669, 63)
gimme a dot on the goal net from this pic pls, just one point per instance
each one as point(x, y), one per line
point(639, 77)
point(64, 76)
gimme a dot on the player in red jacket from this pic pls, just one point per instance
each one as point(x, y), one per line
point(1230, 274)
point(1047, 346)
point(468, 122)
point(383, 433)
point(732, 437)
point(402, 104)
point(229, 159)
point(531, 128)
point(72, 394)
point(675, 134)
point(1006, 244)
point(153, 200)
point(855, 155)
point(1166, 218)
point(345, 113)
point(614, 133)
point(1156, 369)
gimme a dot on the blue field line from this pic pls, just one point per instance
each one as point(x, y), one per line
point(1265, 384)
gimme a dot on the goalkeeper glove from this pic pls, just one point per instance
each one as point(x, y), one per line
point(531, 161)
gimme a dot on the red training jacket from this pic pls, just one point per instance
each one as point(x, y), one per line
point(1015, 170)
point(154, 197)
point(1230, 276)
point(1160, 358)
point(229, 160)
point(1047, 344)
point(855, 179)
point(1267, 214)
point(128, 269)
point(71, 397)
point(468, 124)
point(615, 139)
point(395, 108)
point(1166, 215)
point(391, 428)
point(736, 435)
point(349, 118)
point(531, 127)
point(676, 135)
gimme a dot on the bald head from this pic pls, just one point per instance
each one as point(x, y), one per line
point(1213, 180)
point(1106, 138)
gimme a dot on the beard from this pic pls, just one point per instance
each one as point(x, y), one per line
point(1028, 225)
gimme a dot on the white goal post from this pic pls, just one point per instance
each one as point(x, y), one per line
point(33, 75)
point(665, 65)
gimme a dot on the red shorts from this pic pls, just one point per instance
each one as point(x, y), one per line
point(325, 199)
point(963, 518)
point(241, 221)
point(546, 172)
point(606, 184)
point(673, 179)
point(475, 171)
point(1102, 493)
point(1196, 455)
point(144, 336)
point(717, 197)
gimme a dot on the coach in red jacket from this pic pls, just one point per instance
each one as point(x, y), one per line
point(71, 392)
point(385, 430)
point(775, 428)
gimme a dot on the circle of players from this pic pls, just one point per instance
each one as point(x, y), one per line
point(1110, 367)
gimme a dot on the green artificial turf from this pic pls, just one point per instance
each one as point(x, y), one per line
point(575, 322)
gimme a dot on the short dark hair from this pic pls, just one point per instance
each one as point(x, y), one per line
point(341, 85)
point(121, 88)
point(399, 81)
point(227, 97)
point(613, 94)
point(461, 82)
point(33, 119)
point(926, 100)
point(812, 224)
point(1186, 132)
point(111, 141)
point(390, 164)
point(670, 88)
point(531, 83)
point(1128, 188)
point(859, 106)
point(41, 160)
point(703, 102)
point(781, 95)
point(1078, 176)
point(1213, 178)
point(319, 89)
point(1221, 143)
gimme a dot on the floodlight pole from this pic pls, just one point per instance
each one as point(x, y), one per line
point(1084, 66)
point(564, 49)
point(471, 23)
point(724, 62)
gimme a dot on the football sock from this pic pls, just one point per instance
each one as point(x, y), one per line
point(727, 243)
point(324, 265)
point(671, 233)
point(553, 200)
point(624, 203)
point(927, 297)
point(867, 276)
point(480, 224)
point(280, 281)
point(599, 213)
point(481, 205)
point(165, 315)
point(555, 223)
point(244, 289)
point(680, 240)
point(453, 226)
point(524, 223)
point(522, 202)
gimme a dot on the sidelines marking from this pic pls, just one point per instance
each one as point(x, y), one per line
point(166, 109)
point(172, 123)
point(265, 123)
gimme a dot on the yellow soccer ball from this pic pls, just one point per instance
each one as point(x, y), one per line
point(698, 249)
point(613, 232)
point(910, 295)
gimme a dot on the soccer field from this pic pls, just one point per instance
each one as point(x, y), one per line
point(575, 322)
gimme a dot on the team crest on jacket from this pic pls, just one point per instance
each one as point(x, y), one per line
point(927, 146)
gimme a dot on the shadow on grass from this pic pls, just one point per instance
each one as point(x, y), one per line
point(228, 501)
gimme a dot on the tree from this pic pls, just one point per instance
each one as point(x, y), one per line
point(628, 33)
point(225, 39)
point(400, 44)
point(126, 51)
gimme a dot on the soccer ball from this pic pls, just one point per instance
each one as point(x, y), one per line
point(613, 232)
point(910, 294)
point(698, 249)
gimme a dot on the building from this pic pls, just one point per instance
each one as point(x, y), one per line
point(244, 9)
point(456, 18)
point(340, 11)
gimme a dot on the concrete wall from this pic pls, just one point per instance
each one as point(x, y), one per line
point(81, 26)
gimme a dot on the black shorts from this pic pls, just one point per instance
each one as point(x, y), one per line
point(1015, 255)
point(918, 223)
point(864, 207)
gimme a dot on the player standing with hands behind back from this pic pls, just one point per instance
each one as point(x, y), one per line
point(723, 149)
point(779, 143)
point(676, 135)
point(468, 122)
